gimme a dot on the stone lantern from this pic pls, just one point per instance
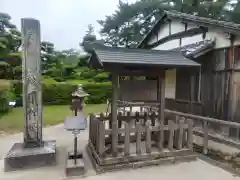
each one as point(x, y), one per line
point(75, 163)
point(78, 99)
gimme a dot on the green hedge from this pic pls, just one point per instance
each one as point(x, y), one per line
point(55, 93)
point(98, 92)
point(101, 77)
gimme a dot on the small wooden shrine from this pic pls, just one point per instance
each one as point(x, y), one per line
point(128, 138)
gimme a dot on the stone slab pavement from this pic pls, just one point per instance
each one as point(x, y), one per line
point(196, 170)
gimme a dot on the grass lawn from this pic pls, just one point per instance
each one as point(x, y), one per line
point(52, 115)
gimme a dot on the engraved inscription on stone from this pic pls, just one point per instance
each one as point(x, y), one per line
point(32, 116)
point(31, 80)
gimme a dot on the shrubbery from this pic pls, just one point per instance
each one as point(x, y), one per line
point(6, 95)
point(102, 77)
point(55, 93)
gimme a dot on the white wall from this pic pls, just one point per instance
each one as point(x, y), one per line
point(153, 39)
point(221, 38)
point(177, 26)
point(191, 26)
point(192, 39)
point(168, 45)
point(164, 31)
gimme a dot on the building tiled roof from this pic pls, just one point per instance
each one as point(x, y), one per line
point(128, 56)
point(196, 49)
point(201, 21)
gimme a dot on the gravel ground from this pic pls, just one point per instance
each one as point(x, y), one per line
point(196, 170)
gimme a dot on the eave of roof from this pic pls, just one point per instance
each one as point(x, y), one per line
point(207, 22)
point(194, 50)
point(139, 57)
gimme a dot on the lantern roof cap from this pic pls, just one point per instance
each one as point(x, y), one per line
point(79, 92)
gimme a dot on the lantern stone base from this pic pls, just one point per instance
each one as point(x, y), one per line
point(72, 168)
point(20, 157)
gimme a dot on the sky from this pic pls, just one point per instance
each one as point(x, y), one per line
point(63, 22)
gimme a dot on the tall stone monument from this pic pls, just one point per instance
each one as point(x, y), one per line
point(33, 151)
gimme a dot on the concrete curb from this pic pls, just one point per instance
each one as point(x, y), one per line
point(225, 167)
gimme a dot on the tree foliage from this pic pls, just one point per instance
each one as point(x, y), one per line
point(89, 38)
point(130, 22)
point(10, 37)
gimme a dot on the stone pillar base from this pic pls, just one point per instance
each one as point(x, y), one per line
point(19, 157)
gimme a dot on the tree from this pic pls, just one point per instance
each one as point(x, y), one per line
point(89, 38)
point(90, 30)
point(10, 41)
point(47, 55)
point(10, 37)
point(130, 22)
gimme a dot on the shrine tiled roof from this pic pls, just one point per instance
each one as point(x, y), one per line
point(126, 56)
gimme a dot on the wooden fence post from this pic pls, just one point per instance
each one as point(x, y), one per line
point(190, 134)
point(176, 132)
point(138, 138)
point(137, 117)
point(96, 123)
point(171, 134)
point(127, 138)
point(153, 118)
point(237, 134)
point(205, 138)
point(119, 119)
point(130, 108)
point(148, 137)
point(91, 116)
point(124, 110)
point(145, 118)
point(141, 110)
point(161, 136)
point(101, 137)
point(180, 134)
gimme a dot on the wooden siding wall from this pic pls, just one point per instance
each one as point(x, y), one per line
point(138, 90)
point(214, 83)
point(236, 85)
point(183, 77)
point(213, 86)
point(146, 90)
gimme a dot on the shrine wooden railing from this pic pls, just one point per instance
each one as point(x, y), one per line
point(209, 129)
point(139, 135)
point(171, 104)
point(184, 106)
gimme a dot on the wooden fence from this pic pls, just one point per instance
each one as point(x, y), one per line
point(220, 131)
point(216, 130)
point(140, 135)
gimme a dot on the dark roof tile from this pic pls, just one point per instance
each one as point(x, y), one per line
point(196, 49)
point(140, 57)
